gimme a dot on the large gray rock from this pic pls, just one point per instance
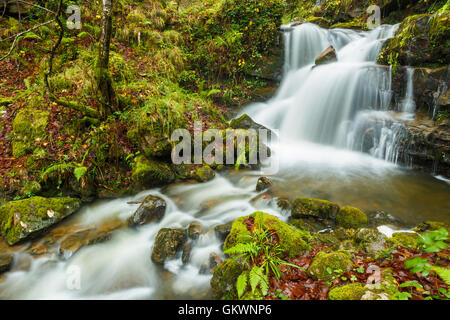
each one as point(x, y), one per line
point(152, 209)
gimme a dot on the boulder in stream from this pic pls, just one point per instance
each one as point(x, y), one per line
point(194, 230)
point(327, 56)
point(263, 184)
point(24, 219)
point(152, 209)
point(306, 207)
point(168, 243)
point(350, 217)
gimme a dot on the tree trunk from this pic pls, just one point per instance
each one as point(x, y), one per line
point(104, 82)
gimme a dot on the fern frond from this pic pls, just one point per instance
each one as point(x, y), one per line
point(443, 273)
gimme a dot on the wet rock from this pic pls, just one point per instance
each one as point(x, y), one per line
point(194, 230)
point(327, 56)
point(323, 262)
point(152, 209)
point(379, 218)
point(186, 255)
point(222, 231)
point(204, 174)
point(431, 226)
point(149, 173)
point(245, 122)
point(6, 261)
point(283, 204)
point(306, 207)
point(351, 217)
point(74, 242)
point(168, 243)
point(24, 219)
point(263, 184)
point(213, 261)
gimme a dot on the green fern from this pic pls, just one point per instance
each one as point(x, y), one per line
point(443, 273)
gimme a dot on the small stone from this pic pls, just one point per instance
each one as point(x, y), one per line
point(213, 261)
point(263, 184)
point(168, 243)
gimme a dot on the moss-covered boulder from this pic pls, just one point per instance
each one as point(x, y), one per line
point(404, 239)
point(421, 40)
point(223, 282)
point(150, 173)
point(371, 241)
point(292, 240)
point(325, 265)
point(27, 218)
point(27, 126)
point(351, 217)
point(168, 243)
point(306, 207)
point(204, 173)
point(352, 291)
point(384, 289)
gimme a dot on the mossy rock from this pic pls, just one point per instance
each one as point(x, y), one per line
point(223, 282)
point(352, 291)
point(371, 241)
point(151, 173)
point(306, 207)
point(324, 262)
point(27, 218)
point(351, 217)
point(292, 240)
point(204, 173)
point(404, 239)
point(168, 243)
point(26, 127)
point(421, 40)
point(326, 238)
point(307, 224)
point(321, 22)
point(431, 226)
point(355, 25)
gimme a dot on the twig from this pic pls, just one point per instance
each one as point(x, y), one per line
point(21, 34)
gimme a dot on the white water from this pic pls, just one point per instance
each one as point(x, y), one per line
point(323, 114)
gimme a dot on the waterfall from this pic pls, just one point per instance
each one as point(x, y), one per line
point(408, 104)
point(342, 104)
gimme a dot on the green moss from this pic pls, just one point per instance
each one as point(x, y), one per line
point(292, 240)
point(387, 286)
point(204, 173)
point(324, 209)
point(321, 22)
point(351, 217)
point(356, 25)
point(353, 291)
point(26, 127)
point(404, 239)
point(326, 238)
point(324, 262)
point(150, 173)
point(223, 282)
point(25, 218)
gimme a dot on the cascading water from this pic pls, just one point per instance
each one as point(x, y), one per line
point(321, 113)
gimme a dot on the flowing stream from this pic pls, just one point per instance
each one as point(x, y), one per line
point(322, 113)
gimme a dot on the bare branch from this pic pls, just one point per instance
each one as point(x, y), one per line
point(21, 34)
